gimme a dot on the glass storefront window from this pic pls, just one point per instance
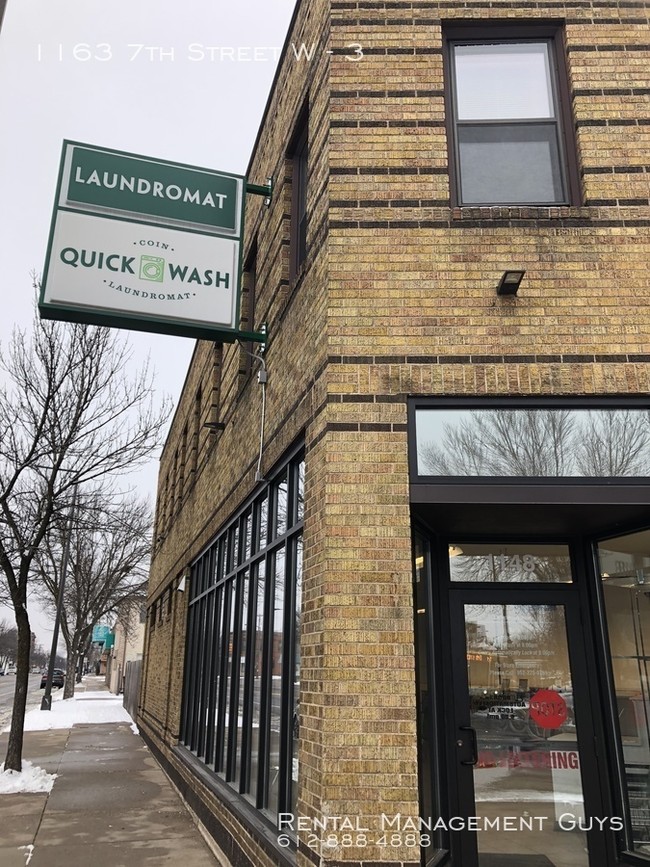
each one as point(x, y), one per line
point(533, 442)
point(625, 575)
point(241, 684)
point(506, 564)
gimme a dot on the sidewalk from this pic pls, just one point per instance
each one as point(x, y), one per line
point(110, 806)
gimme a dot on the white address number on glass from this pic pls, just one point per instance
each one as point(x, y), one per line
point(517, 562)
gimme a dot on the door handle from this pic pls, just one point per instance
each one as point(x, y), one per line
point(474, 759)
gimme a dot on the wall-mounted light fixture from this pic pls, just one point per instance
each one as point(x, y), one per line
point(510, 282)
point(185, 577)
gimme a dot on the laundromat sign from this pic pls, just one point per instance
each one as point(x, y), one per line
point(144, 244)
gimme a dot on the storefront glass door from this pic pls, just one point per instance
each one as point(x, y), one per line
point(523, 746)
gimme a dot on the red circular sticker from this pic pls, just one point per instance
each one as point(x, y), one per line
point(548, 709)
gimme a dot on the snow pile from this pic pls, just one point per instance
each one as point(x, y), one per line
point(30, 779)
point(88, 707)
point(98, 706)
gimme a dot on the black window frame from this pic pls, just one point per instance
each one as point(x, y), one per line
point(215, 673)
point(500, 31)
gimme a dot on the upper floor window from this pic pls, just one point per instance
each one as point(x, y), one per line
point(247, 314)
point(509, 145)
point(299, 197)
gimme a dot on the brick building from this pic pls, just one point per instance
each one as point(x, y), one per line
point(398, 582)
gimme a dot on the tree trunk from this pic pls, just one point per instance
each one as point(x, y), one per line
point(70, 672)
point(13, 759)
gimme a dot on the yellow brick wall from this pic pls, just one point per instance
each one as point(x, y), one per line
point(399, 299)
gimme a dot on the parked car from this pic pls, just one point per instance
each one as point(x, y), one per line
point(11, 669)
point(58, 678)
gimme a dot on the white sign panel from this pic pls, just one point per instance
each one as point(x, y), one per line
point(100, 263)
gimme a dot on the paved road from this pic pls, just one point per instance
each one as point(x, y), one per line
point(7, 687)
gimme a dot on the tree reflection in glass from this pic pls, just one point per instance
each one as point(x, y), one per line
point(533, 442)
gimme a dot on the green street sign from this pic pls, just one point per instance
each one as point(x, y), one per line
point(145, 244)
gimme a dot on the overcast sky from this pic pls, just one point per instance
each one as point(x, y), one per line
point(184, 81)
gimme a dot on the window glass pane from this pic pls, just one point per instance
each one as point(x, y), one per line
point(258, 660)
point(509, 164)
point(521, 699)
point(229, 623)
point(504, 81)
point(214, 559)
point(223, 557)
point(189, 706)
point(301, 490)
point(224, 631)
point(207, 675)
point(509, 564)
point(281, 507)
point(201, 711)
point(228, 546)
point(533, 442)
point(213, 695)
point(243, 686)
point(263, 523)
point(625, 575)
point(235, 545)
point(195, 588)
point(276, 685)
point(295, 723)
point(248, 526)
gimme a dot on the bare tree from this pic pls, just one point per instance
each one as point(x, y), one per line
point(107, 570)
point(73, 410)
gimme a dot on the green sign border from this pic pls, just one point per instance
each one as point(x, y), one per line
point(114, 318)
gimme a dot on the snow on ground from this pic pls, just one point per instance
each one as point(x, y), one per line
point(91, 706)
point(30, 779)
point(86, 707)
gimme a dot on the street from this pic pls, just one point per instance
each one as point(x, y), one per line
point(7, 687)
